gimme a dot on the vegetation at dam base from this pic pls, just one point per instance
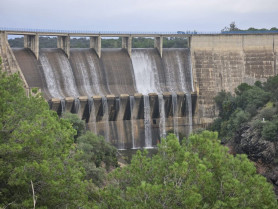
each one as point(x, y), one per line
point(256, 105)
point(248, 123)
point(44, 165)
point(198, 173)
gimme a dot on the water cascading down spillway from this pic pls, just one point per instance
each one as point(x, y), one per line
point(105, 117)
point(175, 114)
point(132, 118)
point(162, 127)
point(92, 115)
point(147, 122)
point(149, 81)
point(179, 80)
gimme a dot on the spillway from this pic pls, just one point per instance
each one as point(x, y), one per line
point(178, 71)
point(148, 71)
point(126, 77)
point(133, 101)
point(32, 68)
point(56, 66)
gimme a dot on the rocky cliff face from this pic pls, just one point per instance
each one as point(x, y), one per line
point(264, 154)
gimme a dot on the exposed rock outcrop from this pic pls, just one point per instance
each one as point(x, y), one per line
point(264, 153)
point(249, 141)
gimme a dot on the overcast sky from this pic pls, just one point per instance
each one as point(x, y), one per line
point(138, 15)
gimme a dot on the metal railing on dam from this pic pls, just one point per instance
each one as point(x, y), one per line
point(23, 31)
point(28, 31)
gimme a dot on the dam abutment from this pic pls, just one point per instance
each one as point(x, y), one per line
point(222, 62)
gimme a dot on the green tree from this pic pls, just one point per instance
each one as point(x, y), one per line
point(232, 27)
point(78, 124)
point(200, 173)
point(36, 146)
point(253, 96)
point(225, 103)
point(270, 131)
point(272, 86)
point(98, 157)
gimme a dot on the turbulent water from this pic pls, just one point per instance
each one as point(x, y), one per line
point(105, 118)
point(189, 110)
point(92, 113)
point(145, 71)
point(175, 114)
point(162, 127)
point(147, 122)
point(132, 117)
point(52, 84)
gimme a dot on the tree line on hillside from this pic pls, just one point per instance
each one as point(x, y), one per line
point(52, 162)
point(233, 27)
point(51, 42)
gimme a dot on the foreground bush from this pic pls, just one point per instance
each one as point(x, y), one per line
point(197, 174)
point(36, 153)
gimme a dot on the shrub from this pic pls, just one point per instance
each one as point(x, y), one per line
point(77, 124)
point(200, 173)
point(270, 131)
point(267, 113)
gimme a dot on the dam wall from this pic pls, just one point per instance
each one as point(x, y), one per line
point(222, 62)
point(134, 97)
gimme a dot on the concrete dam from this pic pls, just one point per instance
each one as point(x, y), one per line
point(133, 97)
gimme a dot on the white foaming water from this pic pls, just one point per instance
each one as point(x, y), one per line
point(147, 81)
point(147, 122)
point(177, 82)
point(94, 75)
point(63, 105)
point(131, 105)
point(68, 76)
point(145, 72)
point(181, 76)
point(76, 105)
point(85, 77)
point(105, 118)
point(175, 114)
point(92, 114)
point(189, 106)
point(175, 72)
point(162, 128)
point(190, 67)
point(170, 77)
point(53, 87)
point(121, 143)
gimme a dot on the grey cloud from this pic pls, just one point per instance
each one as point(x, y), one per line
point(143, 15)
